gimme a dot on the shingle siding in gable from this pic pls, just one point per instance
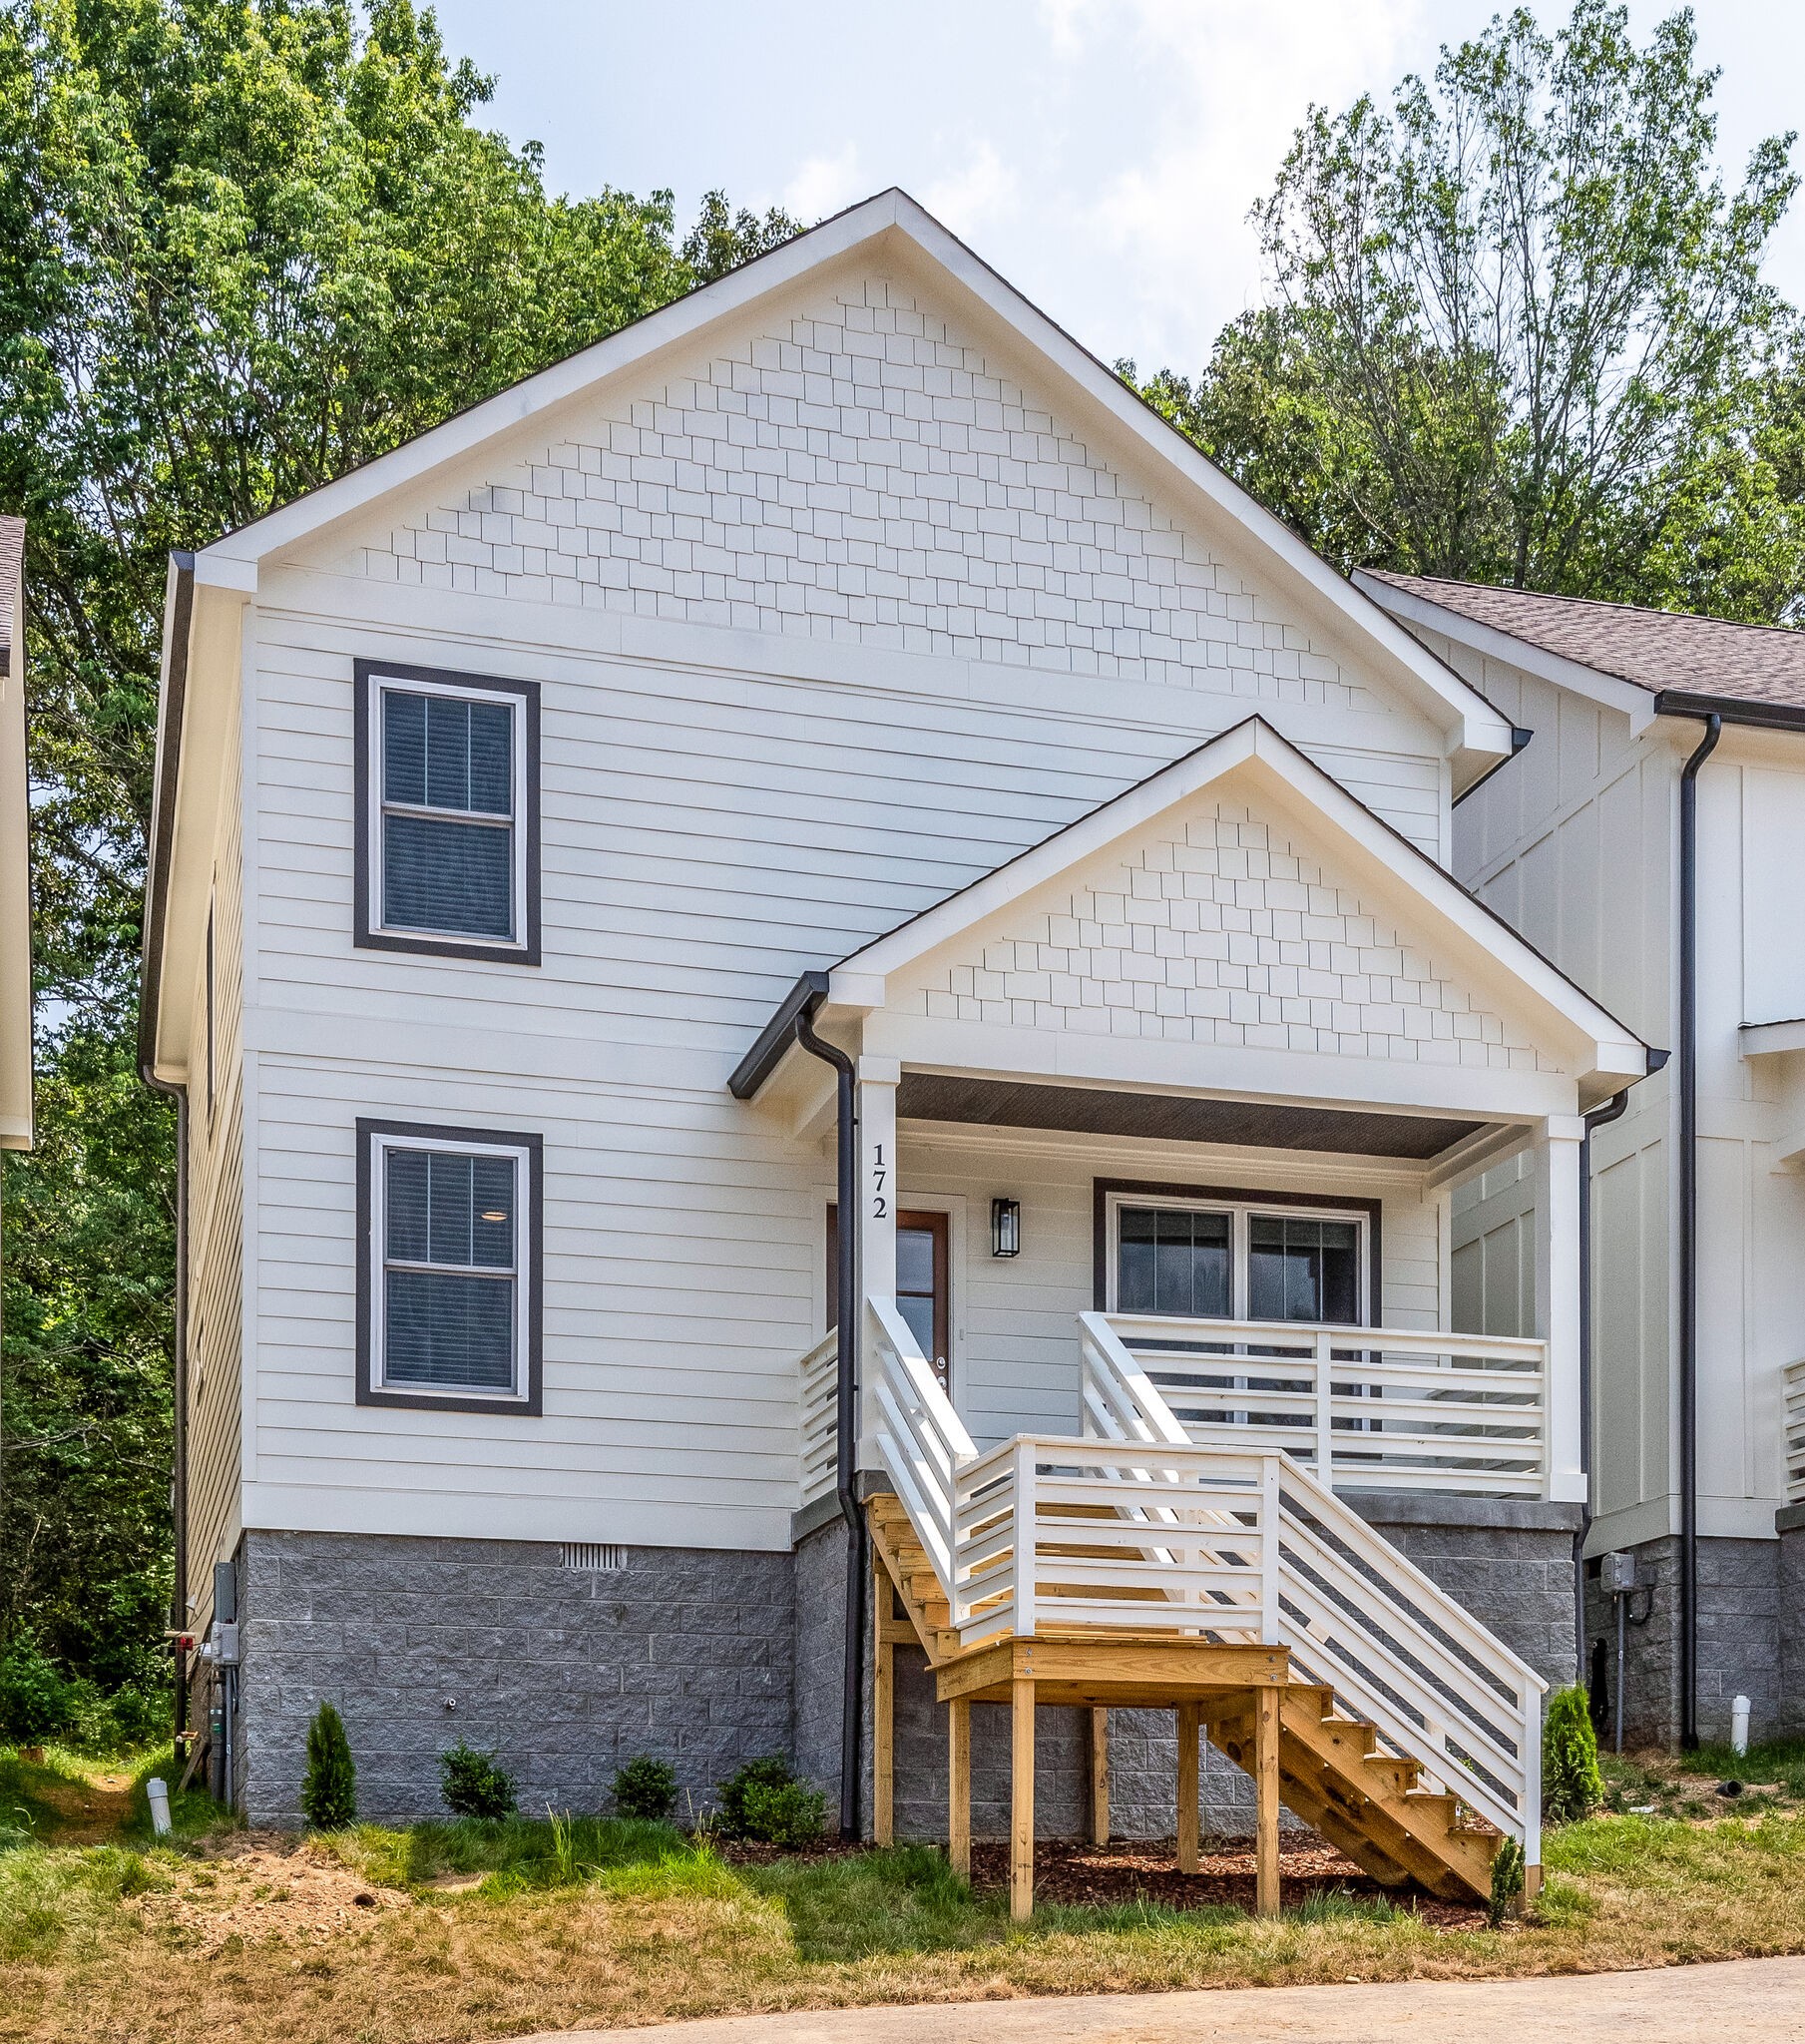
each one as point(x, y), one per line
point(1232, 935)
point(868, 477)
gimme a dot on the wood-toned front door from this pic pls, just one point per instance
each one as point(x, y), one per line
point(924, 1295)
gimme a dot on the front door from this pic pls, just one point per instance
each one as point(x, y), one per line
point(923, 1283)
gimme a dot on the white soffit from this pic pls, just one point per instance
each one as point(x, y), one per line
point(1371, 855)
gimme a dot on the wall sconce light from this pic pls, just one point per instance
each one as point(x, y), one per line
point(1006, 1228)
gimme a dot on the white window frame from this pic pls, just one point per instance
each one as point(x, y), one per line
point(381, 683)
point(384, 1145)
point(1241, 1213)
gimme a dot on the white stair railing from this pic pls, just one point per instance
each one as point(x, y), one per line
point(921, 1440)
point(1393, 1645)
point(1364, 1408)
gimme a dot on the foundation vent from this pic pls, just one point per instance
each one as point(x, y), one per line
point(592, 1556)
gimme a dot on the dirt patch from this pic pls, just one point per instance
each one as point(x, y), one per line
point(90, 1811)
point(261, 1886)
point(1146, 1871)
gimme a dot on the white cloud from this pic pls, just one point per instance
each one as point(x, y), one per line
point(973, 197)
point(824, 184)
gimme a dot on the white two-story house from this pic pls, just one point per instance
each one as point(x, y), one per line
point(827, 1053)
point(1652, 840)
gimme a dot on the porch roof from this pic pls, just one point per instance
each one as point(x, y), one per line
point(1540, 1032)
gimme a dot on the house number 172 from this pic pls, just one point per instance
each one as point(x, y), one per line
point(880, 1207)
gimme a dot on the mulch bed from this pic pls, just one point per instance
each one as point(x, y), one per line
point(1146, 1869)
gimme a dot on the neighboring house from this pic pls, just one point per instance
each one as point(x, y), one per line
point(1662, 744)
point(15, 850)
point(830, 745)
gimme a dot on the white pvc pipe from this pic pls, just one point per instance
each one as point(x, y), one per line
point(1740, 1725)
point(158, 1792)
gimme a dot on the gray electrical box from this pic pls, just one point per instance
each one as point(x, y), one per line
point(1618, 1574)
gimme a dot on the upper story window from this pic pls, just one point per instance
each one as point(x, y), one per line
point(448, 814)
point(1227, 1259)
point(448, 1266)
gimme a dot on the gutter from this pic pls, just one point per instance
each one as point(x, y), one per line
point(1688, 1230)
point(162, 833)
point(794, 1022)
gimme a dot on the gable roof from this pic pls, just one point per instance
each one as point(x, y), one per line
point(1253, 757)
point(15, 850)
point(1662, 652)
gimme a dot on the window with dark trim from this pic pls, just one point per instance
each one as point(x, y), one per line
point(448, 1269)
point(1229, 1252)
point(447, 814)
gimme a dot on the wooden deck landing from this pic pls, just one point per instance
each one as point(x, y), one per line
point(1281, 1730)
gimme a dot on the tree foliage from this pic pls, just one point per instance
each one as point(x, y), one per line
point(1519, 331)
point(245, 246)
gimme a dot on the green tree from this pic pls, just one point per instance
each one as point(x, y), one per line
point(329, 1787)
point(245, 246)
point(1573, 1785)
point(1518, 331)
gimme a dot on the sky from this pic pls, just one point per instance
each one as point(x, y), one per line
point(1102, 153)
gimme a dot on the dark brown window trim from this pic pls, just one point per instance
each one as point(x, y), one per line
point(530, 1406)
point(368, 674)
point(1237, 1196)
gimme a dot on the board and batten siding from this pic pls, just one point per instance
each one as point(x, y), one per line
point(215, 1253)
point(736, 788)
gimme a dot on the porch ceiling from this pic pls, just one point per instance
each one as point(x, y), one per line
point(1248, 1124)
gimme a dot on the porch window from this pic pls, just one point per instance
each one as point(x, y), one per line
point(1208, 1259)
point(447, 833)
point(449, 1267)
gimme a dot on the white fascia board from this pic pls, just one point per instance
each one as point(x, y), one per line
point(1771, 1039)
point(1636, 703)
point(1475, 734)
point(1491, 952)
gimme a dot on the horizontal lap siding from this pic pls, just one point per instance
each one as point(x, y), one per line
point(714, 821)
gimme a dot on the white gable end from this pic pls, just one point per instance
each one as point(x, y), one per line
point(1223, 930)
point(864, 472)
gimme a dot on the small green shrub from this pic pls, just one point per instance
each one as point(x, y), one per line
point(645, 1789)
point(36, 1699)
point(787, 1814)
point(769, 1772)
point(473, 1784)
point(330, 1792)
point(1571, 1785)
point(1507, 1880)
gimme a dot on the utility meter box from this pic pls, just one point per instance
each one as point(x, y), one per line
point(1618, 1574)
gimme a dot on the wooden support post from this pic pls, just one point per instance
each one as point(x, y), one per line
point(1100, 1774)
point(1021, 1801)
point(959, 1786)
point(1266, 1707)
point(1189, 1800)
point(883, 1708)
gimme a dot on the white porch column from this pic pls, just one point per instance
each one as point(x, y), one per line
point(1557, 1152)
point(877, 1081)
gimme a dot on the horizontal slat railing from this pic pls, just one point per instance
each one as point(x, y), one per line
point(1795, 1433)
point(1368, 1408)
point(921, 1440)
point(1053, 1533)
point(1395, 1649)
point(818, 1376)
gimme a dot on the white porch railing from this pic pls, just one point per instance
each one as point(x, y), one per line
point(818, 1393)
point(921, 1440)
point(1395, 1649)
point(1795, 1433)
point(1363, 1409)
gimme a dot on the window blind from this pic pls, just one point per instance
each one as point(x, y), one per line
point(448, 827)
point(450, 1271)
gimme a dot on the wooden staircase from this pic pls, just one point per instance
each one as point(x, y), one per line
point(1329, 1768)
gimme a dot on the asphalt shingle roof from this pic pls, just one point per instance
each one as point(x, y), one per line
point(1653, 650)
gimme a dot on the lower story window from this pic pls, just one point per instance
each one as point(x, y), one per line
point(1219, 1260)
point(449, 1267)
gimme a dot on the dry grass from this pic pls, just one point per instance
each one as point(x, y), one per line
point(482, 1931)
